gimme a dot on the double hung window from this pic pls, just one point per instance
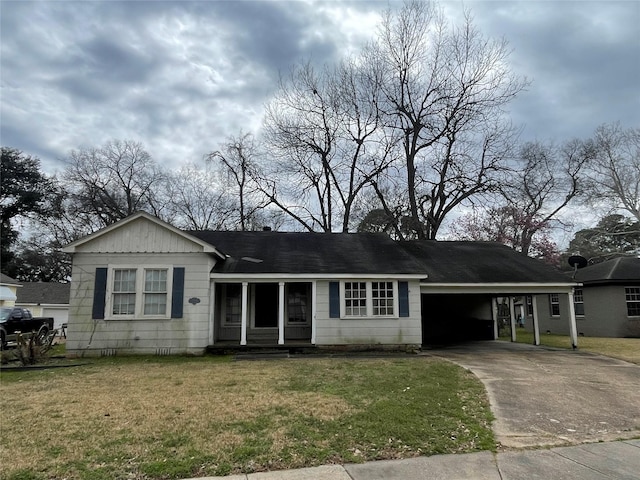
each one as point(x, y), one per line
point(632, 296)
point(554, 304)
point(140, 292)
point(578, 302)
point(297, 301)
point(369, 299)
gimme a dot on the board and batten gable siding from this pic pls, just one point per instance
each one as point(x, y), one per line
point(189, 334)
point(140, 236)
point(399, 331)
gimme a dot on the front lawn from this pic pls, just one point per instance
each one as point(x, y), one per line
point(627, 349)
point(164, 418)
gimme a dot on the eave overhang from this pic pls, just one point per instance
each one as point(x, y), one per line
point(267, 277)
point(497, 288)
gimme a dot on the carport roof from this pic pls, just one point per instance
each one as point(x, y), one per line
point(463, 262)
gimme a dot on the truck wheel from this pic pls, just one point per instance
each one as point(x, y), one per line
point(3, 340)
point(42, 334)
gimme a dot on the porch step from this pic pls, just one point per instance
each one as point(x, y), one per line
point(262, 355)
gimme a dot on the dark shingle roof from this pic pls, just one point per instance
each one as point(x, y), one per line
point(8, 280)
point(44, 293)
point(309, 253)
point(479, 262)
point(617, 270)
point(368, 253)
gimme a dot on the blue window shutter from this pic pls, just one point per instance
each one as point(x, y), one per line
point(99, 294)
point(403, 299)
point(177, 295)
point(334, 300)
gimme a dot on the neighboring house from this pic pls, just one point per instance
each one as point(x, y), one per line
point(46, 299)
point(606, 305)
point(144, 286)
point(8, 290)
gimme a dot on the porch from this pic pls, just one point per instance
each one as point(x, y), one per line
point(263, 314)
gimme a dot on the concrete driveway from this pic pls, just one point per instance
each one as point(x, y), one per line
point(542, 396)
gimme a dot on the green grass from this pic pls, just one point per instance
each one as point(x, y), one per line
point(627, 349)
point(168, 417)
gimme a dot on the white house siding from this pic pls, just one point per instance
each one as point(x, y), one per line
point(402, 331)
point(188, 334)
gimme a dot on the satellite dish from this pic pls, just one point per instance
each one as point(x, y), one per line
point(577, 261)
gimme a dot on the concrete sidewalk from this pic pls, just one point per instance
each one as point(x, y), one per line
point(592, 461)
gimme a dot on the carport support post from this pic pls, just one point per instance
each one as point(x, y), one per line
point(572, 321)
point(512, 314)
point(494, 314)
point(536, 327)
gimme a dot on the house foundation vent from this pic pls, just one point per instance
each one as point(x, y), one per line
point(108, 352)
point(161, 352)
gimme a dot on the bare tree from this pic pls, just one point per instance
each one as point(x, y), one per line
point(544, 181)
point(109, 183)
point(324, 133)
point(197, 199)
point(237, 164)
point(444, 91)
point(616, 168)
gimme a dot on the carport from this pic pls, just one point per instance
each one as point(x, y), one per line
point(454, 313)
point(459, 298)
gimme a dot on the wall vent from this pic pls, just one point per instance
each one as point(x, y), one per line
point(161, 352)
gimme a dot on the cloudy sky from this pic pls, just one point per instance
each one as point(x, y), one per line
point(181, 76)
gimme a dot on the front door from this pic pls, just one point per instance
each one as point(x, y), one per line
point(266, 305)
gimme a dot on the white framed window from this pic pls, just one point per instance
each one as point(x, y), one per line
point(298, 303)
point(355, 299)
point(124, 291)
point(382, 298)
point(554, 304)
point(141, 292)
point(369, 299)
point(155, 291)
point(632, 297)
point(232, 306)
point(578, 302)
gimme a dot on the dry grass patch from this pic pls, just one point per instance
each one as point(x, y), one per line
point(172, 418)
point(627, 349)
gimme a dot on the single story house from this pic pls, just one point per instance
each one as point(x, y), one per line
point(46, 299)
point(607, 304)
point(144, 286)
point(8, 290)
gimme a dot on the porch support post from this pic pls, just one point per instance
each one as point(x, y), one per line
point(572, 321)
point(512, 314)
point(243, 327)
point(212, 313)
point(313, 312)
point(536, 327)
point(281, 313)
point(494, 316)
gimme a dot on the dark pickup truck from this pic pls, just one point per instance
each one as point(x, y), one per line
point(19, 320)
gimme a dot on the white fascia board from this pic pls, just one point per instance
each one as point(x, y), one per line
point(497, 288)
point(207, 248)
point(266, 277)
